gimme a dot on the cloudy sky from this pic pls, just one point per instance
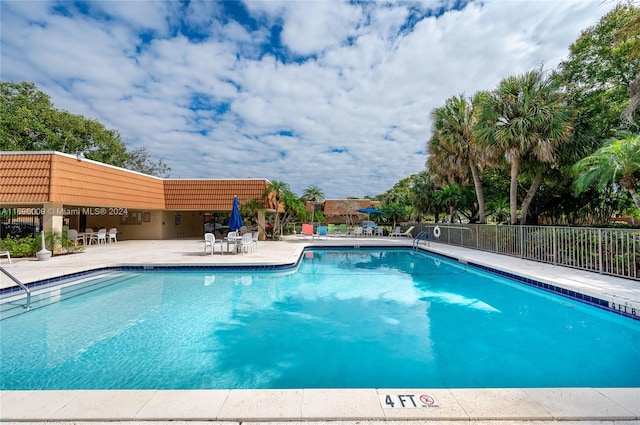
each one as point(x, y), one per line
point(324, 92)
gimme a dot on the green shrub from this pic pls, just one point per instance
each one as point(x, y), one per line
point(19, 247)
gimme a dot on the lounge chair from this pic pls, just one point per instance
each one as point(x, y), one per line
point(322, 231)
point(6, 254)
point(407, 232)
point(307, 230)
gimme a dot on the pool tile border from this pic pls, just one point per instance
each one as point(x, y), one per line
point(558, 290)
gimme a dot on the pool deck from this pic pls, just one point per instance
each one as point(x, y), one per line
point(320, 405)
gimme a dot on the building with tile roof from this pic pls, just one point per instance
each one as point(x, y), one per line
point(66, 190)
point(345, 210)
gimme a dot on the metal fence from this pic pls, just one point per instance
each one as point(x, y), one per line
point(614, 252)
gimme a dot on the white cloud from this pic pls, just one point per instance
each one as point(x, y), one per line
point(353, 120)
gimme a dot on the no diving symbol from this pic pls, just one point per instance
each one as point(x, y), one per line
point(427, 400)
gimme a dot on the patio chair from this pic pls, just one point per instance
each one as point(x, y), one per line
point(358, 232)
point(343, 229)
point(247, 242)
point(112, 235)
point(368, 231)
point(6, 254)
point(100, 237)
point(331, 229)
point(72, 235)
point(234, 238)
point(307, 230)
point(322, 231)
point(254, 236)
point(407, 232)
point(396, 232)
point(210, 241)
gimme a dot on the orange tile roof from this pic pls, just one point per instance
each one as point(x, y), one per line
point(39, 177)
point(211, 195)
point(87, 183)
point(24, 178)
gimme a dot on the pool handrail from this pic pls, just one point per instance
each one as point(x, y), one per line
point(20, 284)
point(421, 236)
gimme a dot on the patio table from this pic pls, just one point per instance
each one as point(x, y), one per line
point(233, 240)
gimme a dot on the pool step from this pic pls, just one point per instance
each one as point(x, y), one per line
point(14, 304)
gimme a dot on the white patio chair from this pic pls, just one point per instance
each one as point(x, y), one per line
point(396, 232)
point(111, 236)
point(358, 232)
point(368, 231)
point(72, 235)
point(100, 237)
point(233, 238)
point(247, 242)
point(210, 241)
point(254, 236)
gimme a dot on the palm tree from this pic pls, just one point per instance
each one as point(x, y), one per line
point(456, 144)
point(313, 194)
point(525, 119)
point(616, 163)
point(450, 196)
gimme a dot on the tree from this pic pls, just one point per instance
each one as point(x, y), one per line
point(456, 145)
point(313, 194)
point(524, 119)
point(602, 65)
point(423, 190)
point(394, 211)
point(138, 160)
point(30, 122)
point(616, 163)
point(627, 34)
point(450, 196)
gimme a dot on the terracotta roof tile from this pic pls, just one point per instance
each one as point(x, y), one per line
point(344, 206)
point(54, 177)
point(24, 178)
point(210, 195)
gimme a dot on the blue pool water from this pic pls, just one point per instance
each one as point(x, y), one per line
point(343, 319)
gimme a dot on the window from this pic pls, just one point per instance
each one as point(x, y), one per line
point(131, 217)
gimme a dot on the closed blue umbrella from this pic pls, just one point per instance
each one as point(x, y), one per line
point(235, 221)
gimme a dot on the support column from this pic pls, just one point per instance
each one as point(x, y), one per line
point(261, 223)
point(52, 217)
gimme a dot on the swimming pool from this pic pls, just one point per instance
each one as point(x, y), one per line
point(344, 319)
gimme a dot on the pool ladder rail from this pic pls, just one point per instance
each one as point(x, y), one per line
point(422, 236)
point(20, 284)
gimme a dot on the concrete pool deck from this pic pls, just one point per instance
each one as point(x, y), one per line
point(318, 405)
